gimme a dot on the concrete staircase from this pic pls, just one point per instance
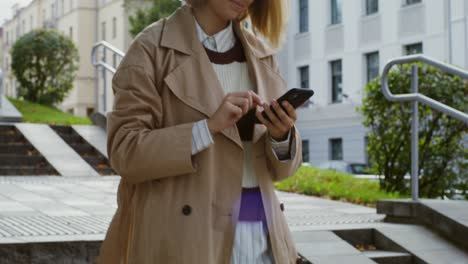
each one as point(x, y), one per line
point(89, 153)
point(19, 157)
point(447, 218)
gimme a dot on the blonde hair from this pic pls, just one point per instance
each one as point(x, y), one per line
point(267, 17)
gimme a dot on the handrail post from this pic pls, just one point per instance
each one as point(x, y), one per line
point(104, 81)
point(414, 136)
point(100, 50)
point(1, 89)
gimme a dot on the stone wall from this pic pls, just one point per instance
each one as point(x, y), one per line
point(77, 252)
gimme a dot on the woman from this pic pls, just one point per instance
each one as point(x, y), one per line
point(197, 174)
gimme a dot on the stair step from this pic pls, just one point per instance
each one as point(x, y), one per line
point(7, 132)
point(71, 138)
point(96, 160)
point(389, 257)
point(26, 170)
point(16, 138)
point(83, 148)
point(65, 130)
point(22, 160)
point(6, 128)
point(18, 149)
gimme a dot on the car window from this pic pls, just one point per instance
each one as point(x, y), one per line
point(358, 168)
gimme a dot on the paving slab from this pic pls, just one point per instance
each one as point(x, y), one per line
point(55, 150)
point(443, 256)
point(425, 244)
point(455, 210)
point(341, 259)
point(48, 209)
point(95, 136)
point(8, 112)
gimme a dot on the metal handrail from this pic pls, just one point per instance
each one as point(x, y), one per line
point(415, 98)
point(107, 46)
point(103, 64)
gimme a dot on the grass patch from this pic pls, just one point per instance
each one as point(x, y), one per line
point(37, 113)
point(334, 185)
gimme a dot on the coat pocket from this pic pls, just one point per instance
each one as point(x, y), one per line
point(221, 217)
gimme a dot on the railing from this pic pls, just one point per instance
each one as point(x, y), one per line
point(99, 60)
point(1, 88)
point(415, 97)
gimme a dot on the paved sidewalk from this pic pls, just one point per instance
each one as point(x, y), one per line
point(50, 208)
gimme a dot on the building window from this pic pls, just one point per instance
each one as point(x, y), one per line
point(89, 111)
point(305, 151)
point(114, 27)
point(412, 2)
point(372, 7)
point(303, 15)
point(414, 49)
point(336, 149)
point(336, 81)
point(304, 76)
point(70, 32)
point(103, 30)
point(335, 12)
point(372, 60)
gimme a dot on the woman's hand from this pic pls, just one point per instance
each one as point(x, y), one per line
point(281, 122)
point(234, 106)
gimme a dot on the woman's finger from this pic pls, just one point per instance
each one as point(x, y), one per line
point(264, 121)
point(235, 110)
point(285, 119)
point(290, 109)
point(274, 119)
point(256, 99)
point(242, 102)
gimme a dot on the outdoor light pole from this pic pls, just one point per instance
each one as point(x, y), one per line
point(414, 136)
point(1, 88)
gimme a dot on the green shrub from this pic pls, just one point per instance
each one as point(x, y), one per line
point(44, 62)
point(334, 185)
point(442, 158)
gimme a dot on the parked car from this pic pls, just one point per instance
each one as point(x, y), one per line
point(344, 166)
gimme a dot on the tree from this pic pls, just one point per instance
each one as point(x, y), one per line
point(144, 17)
point(44, 62)
point(442, 157)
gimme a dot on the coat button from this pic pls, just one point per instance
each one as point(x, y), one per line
point(186, 210)
point(282, 206)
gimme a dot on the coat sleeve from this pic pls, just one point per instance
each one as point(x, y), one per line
point(139, 148)
point(282, 169)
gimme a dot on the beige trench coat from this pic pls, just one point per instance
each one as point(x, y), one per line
point(174, 207)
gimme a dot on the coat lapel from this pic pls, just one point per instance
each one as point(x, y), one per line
point(194, 80)
point(268, 84)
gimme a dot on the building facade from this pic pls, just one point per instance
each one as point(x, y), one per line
point(335, 47)
point(86, 22)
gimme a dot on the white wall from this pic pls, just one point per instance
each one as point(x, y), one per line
point(388, 31)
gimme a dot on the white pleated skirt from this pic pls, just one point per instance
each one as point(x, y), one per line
point(251, 244)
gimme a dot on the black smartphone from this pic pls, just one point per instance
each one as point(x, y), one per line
point(296, 97)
